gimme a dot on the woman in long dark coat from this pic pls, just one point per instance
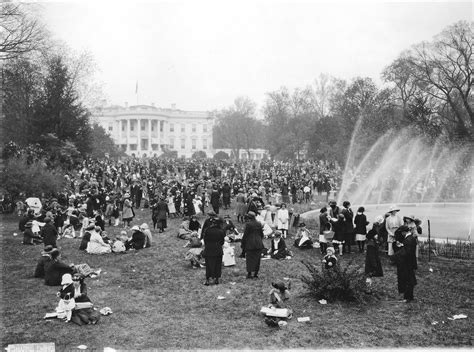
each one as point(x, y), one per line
point(373, 266)
point(252, 245)
point(213, 241)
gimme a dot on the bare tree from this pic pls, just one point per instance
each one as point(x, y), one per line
point(20, 33)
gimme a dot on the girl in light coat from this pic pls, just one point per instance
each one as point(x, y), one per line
point(96, 245)
point(283, 218)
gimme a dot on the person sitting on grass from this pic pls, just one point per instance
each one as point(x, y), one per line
point(184, 232)
point(146, 230)
point(96, 245)
point(279, 294)
point(83, 313)
point(279, 249)
point(45, 257)
point(302, 238)
point(29, 237)
point(55, 269)
point(137, 241)
point(330, 259)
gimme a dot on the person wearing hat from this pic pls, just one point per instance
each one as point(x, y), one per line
point(373, 266)
point(28, 236)
point(303, 238)
point(278, 249)
point(137, 241)
point(415, 228)
point(160, 212)
point(252, 245)
point(324, 230)
point(55, 269)
point(49, 233)
point(360, 221)
point(405, 258)
point(212, 216)
point(213, 238)
point(67, 302)
point(241, 206)
point(215, 199)
point(45, 257)
point(127, 212)
point(392, 223)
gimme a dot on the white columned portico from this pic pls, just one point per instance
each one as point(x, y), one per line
point(149, 137)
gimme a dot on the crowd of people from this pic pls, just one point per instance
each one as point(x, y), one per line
point(103, 195)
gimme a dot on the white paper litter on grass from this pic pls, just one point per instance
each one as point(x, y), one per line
point(323, 301)
point(431, 270)
point(458, 316)
point(303, 319)
point(232, 283)
point(434, 323)
point(220, 297)
point(82, 347)
point(15, 234)
point(266, 258)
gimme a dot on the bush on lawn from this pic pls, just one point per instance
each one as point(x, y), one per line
point(341, 283)
point(31, 178)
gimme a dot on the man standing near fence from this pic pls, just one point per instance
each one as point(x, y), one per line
point(405, 258)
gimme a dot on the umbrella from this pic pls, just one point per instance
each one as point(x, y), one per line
point(35, 204)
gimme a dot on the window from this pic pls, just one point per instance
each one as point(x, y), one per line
point(171, 127)
point(123, 147)
point(194, 127)
point(132, 127)
point(142, 125)
point(123, 127)
point(182, 128)
point(204, 128)
point(133, 147)
point(193, 143)
point(171, 143)
point(154, 146)
point(162, 124)
point(144, 144)
point(111, 128)
point(183, 143)
point(153, 127)
point(204, 144)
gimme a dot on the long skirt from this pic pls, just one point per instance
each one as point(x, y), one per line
point(252, 260)
point(213, 267)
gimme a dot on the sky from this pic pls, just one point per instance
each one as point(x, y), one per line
point(201, 55)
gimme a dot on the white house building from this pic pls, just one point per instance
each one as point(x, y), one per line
point(144, 130)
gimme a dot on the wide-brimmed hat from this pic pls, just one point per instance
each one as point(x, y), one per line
point(144, 226)
point(126, 195)
point(331, 249)
point(49, 249)
point(29, 224)
point(135, 228)
point(409, 217)
point(251, 215)
point(66, 280)
point(393, 208)
point(47, 219)
point(302, 224)
point(277, 233)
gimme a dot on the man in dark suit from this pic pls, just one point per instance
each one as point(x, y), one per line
point(212, 253)
point(405, 258)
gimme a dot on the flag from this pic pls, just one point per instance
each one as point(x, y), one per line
point(136, 88)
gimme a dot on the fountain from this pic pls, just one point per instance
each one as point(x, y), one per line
point(429, 181)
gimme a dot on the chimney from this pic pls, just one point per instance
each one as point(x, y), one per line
point(126, 104)
point(173, 106)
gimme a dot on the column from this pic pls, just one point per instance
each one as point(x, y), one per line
point(149, 137)
point(127, 129)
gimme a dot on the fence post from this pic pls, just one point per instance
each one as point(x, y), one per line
point(429, 241)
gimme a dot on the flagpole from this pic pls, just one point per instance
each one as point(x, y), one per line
point(136, 91)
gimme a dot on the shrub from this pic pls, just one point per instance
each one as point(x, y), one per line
point(31, 178)
point(199, 155)
point(341, 283)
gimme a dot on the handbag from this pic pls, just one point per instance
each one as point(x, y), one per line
point(328, 234)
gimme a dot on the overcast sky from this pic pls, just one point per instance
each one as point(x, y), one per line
point(201, 55)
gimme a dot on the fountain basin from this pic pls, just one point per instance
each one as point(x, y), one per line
point(452, 221)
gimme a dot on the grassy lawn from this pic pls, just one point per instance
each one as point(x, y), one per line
point(159, 301)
